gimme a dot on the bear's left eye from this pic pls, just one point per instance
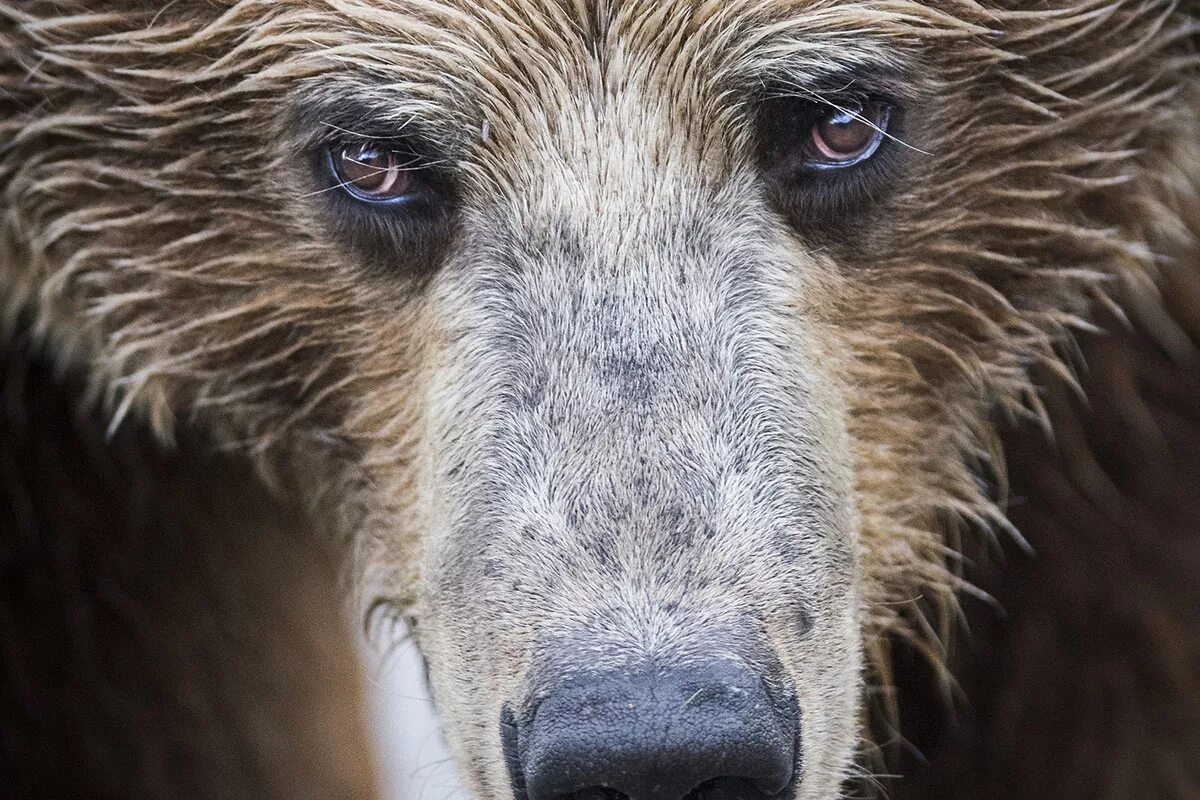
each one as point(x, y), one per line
point(824, 158)
point(374, 174)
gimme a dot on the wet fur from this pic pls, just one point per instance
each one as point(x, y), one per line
point(157, 226)
point(1079, 679)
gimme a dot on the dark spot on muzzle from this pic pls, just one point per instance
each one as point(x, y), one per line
point(700, 733)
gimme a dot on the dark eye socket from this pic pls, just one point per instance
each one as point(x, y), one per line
point(374, 173)
point(391, 199)
point(826, 159)
point(823, 135)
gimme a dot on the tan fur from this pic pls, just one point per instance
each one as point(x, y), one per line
point(158, 222)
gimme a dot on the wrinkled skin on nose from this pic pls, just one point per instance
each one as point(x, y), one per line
point(637, 457)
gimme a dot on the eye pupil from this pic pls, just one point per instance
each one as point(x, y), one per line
point(372, 173)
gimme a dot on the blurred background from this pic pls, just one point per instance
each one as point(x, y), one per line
point(415, 762)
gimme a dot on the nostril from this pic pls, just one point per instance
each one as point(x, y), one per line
point(715, 789)
point(725, 789)
point(596, 793)
point(710, 733)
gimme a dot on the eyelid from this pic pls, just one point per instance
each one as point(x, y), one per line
point(814, 196)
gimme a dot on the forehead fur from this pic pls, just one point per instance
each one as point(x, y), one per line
point(532, 76)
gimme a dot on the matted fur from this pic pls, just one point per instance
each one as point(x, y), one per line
point(157, 224)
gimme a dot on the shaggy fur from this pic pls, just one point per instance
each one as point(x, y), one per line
point(162, 225)
point(1081, 681)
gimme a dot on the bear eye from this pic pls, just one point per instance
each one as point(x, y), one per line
point(372, 173)
point(824, 157)
point(845, 136)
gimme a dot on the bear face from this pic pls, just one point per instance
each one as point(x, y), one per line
point(613, 339)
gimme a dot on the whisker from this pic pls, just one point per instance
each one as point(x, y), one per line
point(801, 91)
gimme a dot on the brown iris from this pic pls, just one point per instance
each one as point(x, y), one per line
point(373, 173)
point(848, 135)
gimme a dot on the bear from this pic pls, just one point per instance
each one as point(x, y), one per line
point(650, 359)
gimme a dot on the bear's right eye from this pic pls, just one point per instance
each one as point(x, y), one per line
point(390, 198)
point(374, 174)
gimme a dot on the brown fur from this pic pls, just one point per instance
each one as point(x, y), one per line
point(157, 225)
point(1080, 680)
point(167, 628)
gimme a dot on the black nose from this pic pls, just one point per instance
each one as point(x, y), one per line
point(709, 733)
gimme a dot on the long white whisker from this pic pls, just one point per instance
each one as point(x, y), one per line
point(802, 91)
